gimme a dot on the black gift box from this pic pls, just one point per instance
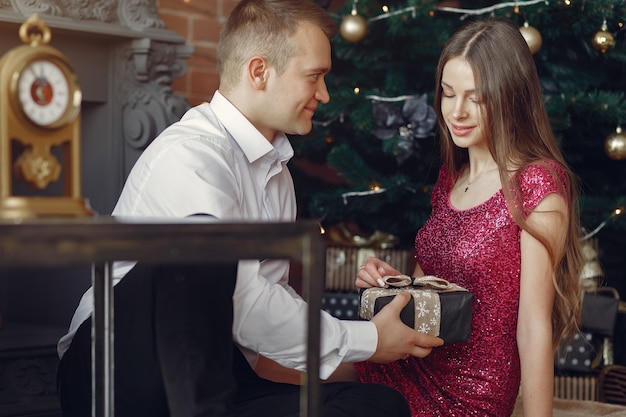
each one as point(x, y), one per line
point(579, 355)
point(599, 311)
point(456, 315)
point(452, 305)
point(342, 305)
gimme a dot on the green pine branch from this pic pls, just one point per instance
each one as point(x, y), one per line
point(584, 95)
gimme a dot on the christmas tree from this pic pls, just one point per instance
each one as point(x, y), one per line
point(372, 157)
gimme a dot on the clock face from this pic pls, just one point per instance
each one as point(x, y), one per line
point(43, 93)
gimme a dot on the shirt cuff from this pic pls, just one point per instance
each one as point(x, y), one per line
point(361, 343)
point(362, 340)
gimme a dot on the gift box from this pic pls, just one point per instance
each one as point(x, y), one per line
point(342, 264)
point(582, 354)
point(599, 311)
point(342, 305)
point(437, 307)
point(592, 347)
point(576, 387)
point(619, 336)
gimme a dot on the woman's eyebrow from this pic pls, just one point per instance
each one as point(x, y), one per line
point(444, 84)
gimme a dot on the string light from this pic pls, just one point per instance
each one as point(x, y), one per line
point(330, 121)
point(390, 99)
point(357, 90)
point(373, 191)
point(464, 12)
point(595, 231)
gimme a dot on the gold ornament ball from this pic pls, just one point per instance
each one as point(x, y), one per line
point(532, 37)
point(353, 28)
point(615, 144)
point(603, 40)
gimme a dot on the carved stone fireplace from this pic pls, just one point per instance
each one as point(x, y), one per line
point(126, 61)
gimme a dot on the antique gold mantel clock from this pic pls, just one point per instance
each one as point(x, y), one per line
point(39, 129)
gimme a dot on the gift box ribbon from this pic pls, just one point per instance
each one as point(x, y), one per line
point(425, 292)
point(426, 282)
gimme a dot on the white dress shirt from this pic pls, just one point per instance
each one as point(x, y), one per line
point(213, 161)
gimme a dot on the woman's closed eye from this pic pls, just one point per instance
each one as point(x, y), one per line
point(447, 93)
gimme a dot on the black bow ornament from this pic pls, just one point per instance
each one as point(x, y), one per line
point(416, 120)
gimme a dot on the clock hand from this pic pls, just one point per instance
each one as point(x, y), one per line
point(31, 68)
point(39, 92)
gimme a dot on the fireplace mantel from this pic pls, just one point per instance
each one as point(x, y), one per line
point(126, 60)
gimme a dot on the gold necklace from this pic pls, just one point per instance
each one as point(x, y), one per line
point(477, 177)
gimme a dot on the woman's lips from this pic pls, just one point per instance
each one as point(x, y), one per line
point(461, 130)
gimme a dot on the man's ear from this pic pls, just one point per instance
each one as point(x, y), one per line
point(258, 71)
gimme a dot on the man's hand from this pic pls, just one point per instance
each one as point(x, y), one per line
point(396, 340)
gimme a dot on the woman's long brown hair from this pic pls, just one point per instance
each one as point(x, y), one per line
point(518, 134)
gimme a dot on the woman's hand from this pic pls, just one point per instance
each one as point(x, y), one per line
point(371, 274)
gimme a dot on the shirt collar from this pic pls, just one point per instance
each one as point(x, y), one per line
point(250, 140)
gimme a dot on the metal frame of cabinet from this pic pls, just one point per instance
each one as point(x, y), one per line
point(100, 241)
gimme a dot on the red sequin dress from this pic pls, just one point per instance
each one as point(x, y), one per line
point(479, 249)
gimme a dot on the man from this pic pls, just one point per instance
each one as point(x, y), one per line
point(227, 159)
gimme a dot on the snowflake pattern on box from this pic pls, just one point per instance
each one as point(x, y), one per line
point(427, 307)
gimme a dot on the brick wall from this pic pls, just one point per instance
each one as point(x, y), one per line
point(199, 22)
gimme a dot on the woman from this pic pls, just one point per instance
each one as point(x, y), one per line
point(504, 225)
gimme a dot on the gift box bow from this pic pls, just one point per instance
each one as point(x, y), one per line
point(427, 282)
point(438, 307)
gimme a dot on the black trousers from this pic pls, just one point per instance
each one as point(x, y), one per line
point(174, 356)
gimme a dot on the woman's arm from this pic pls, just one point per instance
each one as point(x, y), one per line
point(534, 328)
